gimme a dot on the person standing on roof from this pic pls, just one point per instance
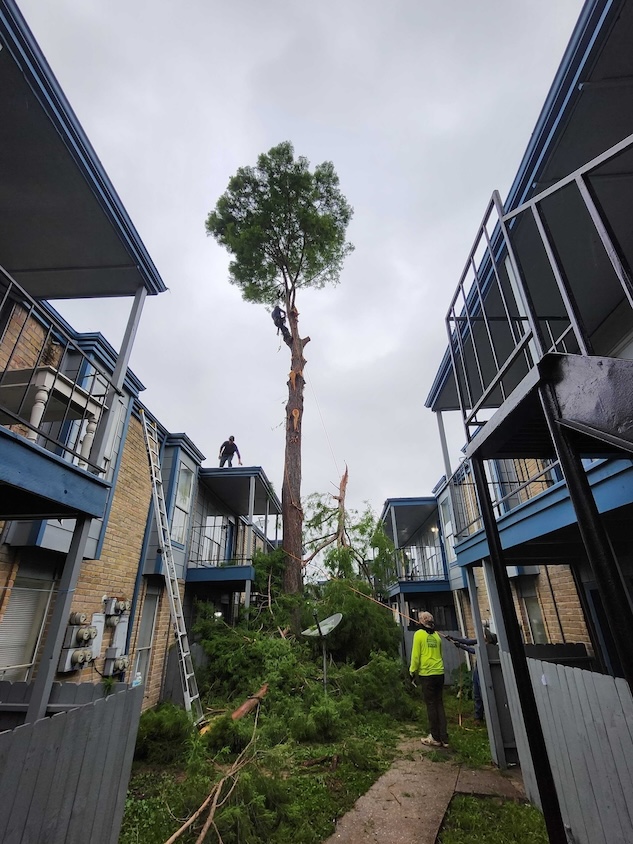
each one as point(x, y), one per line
point(227, 450)
point(427, 666)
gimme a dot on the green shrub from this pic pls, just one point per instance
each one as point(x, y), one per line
point(163, 735)
point(378, 686)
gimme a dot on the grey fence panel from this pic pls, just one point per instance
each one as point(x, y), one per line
point(557, 751)
point(71, 757)
point(92, 761)
point(587, 721)
point(47, 778)
point(602, 699)
point(109, 776)
point(26, 779)
point(63, 780)
point(624, 721)
point(597, 750)
point(133, 701)
point(520, 735)
point(10, 777)
point(577, 782)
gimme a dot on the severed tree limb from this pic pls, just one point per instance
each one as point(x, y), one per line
point(214, 795)
point(250, 704)
point(339, 536)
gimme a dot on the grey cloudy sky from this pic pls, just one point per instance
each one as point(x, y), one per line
point(424, 106)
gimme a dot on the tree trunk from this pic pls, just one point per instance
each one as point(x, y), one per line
point(292, 512)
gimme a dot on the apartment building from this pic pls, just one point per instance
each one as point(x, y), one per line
point(539, 367)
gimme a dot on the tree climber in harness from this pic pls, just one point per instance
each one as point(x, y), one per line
point(279, 318)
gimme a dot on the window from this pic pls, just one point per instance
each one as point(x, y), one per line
point(184, 492)
point(214, 540)
point(146, 632)
point(447, 526)
point(22, 626)
point(533, 613)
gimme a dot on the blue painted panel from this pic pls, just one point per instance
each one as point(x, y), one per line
point(220, 574)
point(418, 587)
point(41, 473)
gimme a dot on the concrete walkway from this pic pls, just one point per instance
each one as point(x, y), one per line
point(407, 804)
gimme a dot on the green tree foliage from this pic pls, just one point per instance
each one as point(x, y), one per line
point(357, 545)
point(367, 626)
point(285, 227)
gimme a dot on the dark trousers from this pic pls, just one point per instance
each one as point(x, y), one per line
point(433, 691)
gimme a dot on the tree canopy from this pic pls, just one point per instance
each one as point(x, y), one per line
point(284, 225)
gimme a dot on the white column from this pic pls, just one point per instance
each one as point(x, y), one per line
point(37, 412)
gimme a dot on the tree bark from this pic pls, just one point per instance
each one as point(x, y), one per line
point(292, 512)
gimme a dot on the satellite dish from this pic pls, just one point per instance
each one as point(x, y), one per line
point(322, 628)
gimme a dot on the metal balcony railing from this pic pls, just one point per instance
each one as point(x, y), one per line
point(496, 332)
point(208, 547)
point(418, 563)
point(530, 479)
point(51, 393)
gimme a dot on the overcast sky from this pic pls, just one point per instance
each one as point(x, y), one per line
point(423, 106)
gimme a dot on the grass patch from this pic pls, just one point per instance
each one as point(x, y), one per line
point(491, 820)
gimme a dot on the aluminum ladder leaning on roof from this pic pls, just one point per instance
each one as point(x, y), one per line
point(190, 691)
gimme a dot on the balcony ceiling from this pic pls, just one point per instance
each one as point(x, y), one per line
point(410, 514)
point(64, 233)
point(593, 397)
point(232, 488)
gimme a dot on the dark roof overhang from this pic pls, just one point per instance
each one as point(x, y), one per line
point(410, 515)
point(232, 487)
point(65, 232)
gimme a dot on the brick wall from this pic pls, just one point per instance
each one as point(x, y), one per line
point(558, 598)
point(560, 605)
point(114, 574)
point(22, 343)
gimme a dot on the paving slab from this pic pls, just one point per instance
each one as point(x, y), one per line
point(488, 781)
point(408, 803)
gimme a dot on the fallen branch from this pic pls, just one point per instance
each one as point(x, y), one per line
point(214, 795)
point(250, 704)
point(333, 760)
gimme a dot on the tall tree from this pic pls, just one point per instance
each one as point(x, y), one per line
point(285, 227)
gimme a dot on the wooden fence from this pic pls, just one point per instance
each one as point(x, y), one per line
point(63, 779)
point(587, 721)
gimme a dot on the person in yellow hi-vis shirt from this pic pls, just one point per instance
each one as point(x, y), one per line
point(427, 667)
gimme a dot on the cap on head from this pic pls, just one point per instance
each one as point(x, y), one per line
point(426, 619)
point(231, 438)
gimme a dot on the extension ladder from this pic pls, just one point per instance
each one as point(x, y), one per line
point(190, 691)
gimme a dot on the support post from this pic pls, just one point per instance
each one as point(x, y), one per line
point(251, 514)
point(59, 621)
point(493, 725)
point(603, 562)
point(527, 701)
point(118, 376)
